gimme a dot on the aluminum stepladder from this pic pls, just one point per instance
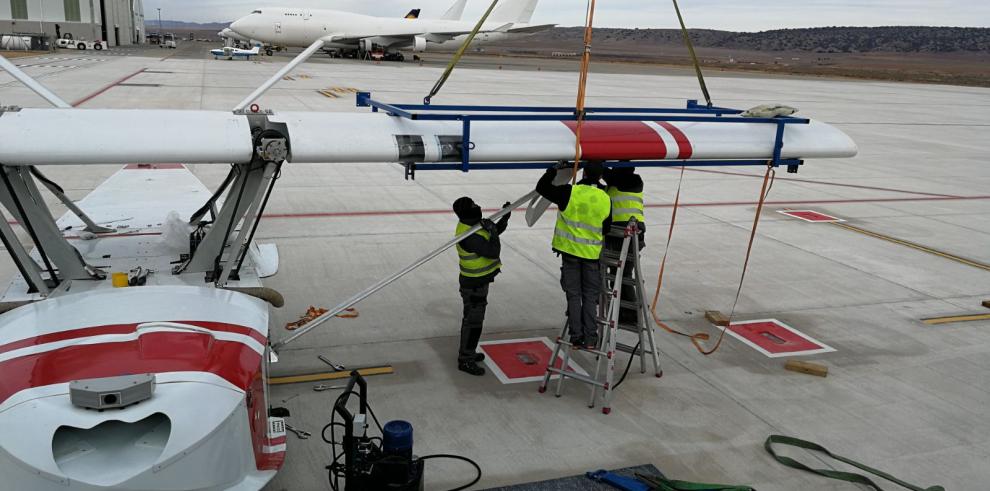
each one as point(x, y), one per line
point(619, 268)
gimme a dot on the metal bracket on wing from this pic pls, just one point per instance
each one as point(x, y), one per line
point(313, 48)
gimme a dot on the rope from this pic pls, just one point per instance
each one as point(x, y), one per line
point(582, 85)
point(694, 57)
point(457, 56)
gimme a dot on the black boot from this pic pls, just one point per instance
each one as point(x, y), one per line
point(471, 368)
point(479, 357)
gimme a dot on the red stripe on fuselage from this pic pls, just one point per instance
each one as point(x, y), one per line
point(684, 148)
point(153, 352)
point(619, 140)
point(125, 329)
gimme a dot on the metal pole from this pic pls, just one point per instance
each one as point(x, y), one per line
point(33, 84)
point(281, 73)
point(350, 302)
point(161, 32)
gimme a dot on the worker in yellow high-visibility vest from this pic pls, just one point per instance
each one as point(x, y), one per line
point(625, 188)
point(583, 220)
point(479, 262)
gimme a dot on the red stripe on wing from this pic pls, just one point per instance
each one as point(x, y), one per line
point(619, 140)
point(684, 148)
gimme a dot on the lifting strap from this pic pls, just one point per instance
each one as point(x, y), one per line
point(696, 338)
point(457, 56)
point(694, 57)
point(582, 85)
point(834, 474)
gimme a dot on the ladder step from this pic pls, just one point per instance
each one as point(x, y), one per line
point(576, 376)
point(625, 348)
point(625, 281)
point(629, 327)
point(629, 305)
point(580, 348)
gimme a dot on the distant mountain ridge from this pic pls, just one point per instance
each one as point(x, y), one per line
point(901, 39)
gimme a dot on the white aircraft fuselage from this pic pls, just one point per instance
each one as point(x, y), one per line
point(302, 27)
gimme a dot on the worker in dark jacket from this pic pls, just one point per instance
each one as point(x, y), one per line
point(625, 189)
point(583, 221)
point(478, 256)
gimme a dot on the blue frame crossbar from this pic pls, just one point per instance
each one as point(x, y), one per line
point(694, 112)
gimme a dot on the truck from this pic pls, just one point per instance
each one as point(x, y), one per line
point(80, 44)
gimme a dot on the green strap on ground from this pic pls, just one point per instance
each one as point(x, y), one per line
point(664, 484)
point(834, 474)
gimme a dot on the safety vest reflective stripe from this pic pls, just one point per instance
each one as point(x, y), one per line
point(619, 197)
point(579, 240)
point(481, 271)
point(584, 226)
point(626, 206)
point(473, 265)
point(579, 226)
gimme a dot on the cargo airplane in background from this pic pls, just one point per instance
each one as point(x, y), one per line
point(350, 32)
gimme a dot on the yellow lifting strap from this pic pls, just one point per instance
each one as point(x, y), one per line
point(694, 57)
point(457, 56)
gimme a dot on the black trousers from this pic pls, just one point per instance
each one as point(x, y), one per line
point(475, 301)
point(582, 284)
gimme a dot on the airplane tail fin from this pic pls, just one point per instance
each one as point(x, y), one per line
point(516, 11)
point(413, 14)
point(455, 11)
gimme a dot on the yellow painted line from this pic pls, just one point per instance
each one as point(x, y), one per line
point(318, 377)
point(327, 93)
point(956, 318)
point(915, 246)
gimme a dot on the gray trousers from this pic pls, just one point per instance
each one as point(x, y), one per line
point(475, 302)
point(582, 284)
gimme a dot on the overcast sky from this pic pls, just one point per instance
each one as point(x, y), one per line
point(733, 15)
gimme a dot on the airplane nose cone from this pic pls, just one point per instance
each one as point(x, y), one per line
point(240, 26)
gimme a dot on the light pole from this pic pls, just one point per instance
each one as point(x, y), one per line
point(161, 33)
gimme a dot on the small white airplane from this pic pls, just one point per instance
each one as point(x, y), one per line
point(349, 31)
point(135, 349)
point(230, 52)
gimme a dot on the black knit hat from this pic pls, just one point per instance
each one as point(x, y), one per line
point(466, 209)
point(594, 169)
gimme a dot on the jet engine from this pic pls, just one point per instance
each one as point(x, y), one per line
point(419, 44)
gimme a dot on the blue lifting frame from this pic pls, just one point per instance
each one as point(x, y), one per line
point(693, 112)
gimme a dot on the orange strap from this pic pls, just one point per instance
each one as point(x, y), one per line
point(582, 84)
point(696, 338)
point(663, 265)
point(314, 312)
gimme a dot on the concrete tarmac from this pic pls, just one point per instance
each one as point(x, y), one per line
point(901, 396)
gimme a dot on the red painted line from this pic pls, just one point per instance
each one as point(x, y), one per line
point(684, 148)
point(826, 183)
point(619, 140)
point(383, 213)
point(104, 89)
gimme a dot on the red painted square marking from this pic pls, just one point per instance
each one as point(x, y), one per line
point(776, 339)
point(521, 360)
point(811, 216)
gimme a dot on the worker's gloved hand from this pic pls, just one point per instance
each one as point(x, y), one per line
point(505, 218)
point(489, 226)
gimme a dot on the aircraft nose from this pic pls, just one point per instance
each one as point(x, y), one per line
point(241, 26)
